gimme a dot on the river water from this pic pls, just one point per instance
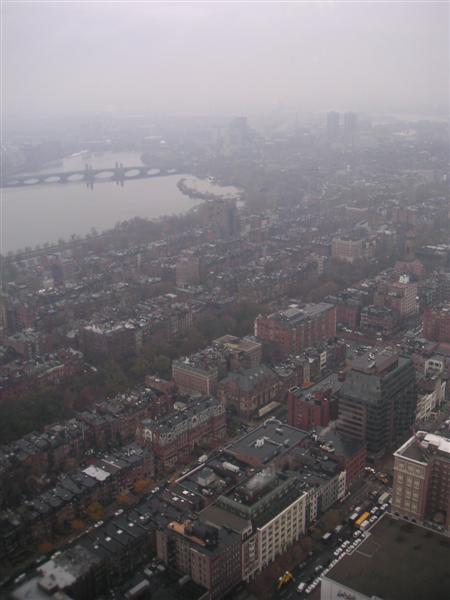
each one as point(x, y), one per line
point(37, 214)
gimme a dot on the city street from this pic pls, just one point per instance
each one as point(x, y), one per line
point(324, 552)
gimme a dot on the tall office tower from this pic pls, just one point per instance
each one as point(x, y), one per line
point(350, 123)
point(421, 488)
point(333, 125)
point(221, 219)
point(377, 401)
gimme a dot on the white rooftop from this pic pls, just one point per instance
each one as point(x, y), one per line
point(442, 443)
point(96, 473)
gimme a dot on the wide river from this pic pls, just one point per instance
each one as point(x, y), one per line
point(37, 214)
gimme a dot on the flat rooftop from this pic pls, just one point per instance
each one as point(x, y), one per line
point(296, 313)
point(266, 442)
point(421, 447)
point(398, 561)
point(375, 362)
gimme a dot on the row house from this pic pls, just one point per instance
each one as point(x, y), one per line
point(173, 438)
point(20, 377)
point(112, 474)
point(64, 445)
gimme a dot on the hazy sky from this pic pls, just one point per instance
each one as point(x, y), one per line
point(196, 58)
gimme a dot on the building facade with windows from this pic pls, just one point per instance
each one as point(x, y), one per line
point(421, 490)
point(377, 402)
point(297, 328)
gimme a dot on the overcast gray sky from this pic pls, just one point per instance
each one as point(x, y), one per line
point(197, 58)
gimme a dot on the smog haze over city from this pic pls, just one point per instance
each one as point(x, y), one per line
point(232, 58)
point(224, 300)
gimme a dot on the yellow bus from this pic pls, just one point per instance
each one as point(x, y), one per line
point(361, 519)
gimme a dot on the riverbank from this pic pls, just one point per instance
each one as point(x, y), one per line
point(196, 194)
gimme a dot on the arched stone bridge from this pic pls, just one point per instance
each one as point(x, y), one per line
point(118, 173)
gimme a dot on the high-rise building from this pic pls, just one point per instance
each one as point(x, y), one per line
point(221, 219)
point(350, 123)
point(333, 124)
point(421, 488)
point(377, 402)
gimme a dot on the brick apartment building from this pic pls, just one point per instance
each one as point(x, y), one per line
point(349, 453)
point(400, 296)
point(421, 488)
point(350, 249)
point(249, 391)
point(209, 554)
point(379, 319)
point(174, 437)
point(187, 270)
point(348, 309)
point(243, 352)
point(436, 323)
point(298, 327)
point(201, 372)
point(308, 411)
point(100, 341)
point(192, 377)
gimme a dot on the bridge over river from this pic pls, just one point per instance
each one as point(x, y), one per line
point(118, 173)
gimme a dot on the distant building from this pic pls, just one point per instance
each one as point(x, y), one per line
point(351, 248)
point(298, 327)
point(243, 352)
point(436, 323)
point(379, 319)
point(333, 125)
point(350, 123)
point(200, 372)
point(400, 296)
point(221, 219)
point(421, 488)
point(105, 340)
point(348, 308)
point(187, 270)
point(192, 376)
